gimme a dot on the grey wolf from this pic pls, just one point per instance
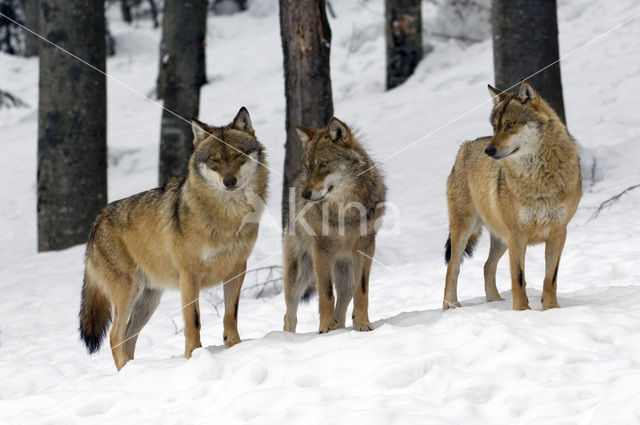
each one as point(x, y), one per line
point(187, 235)
point(523, 184)
point(330, 242)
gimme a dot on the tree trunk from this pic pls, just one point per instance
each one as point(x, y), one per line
point(154, 13)
point(403, 32)
point(125, 7)
point(183, 34)
point(306, 44)
point(72, 132)
point(9, 42)
point(31, 12)
point(525, 40)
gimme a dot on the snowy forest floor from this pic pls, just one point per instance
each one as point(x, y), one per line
point(482, 363)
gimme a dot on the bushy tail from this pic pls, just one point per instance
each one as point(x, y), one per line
point(468, 250)
point(95, 316)
point(308, 294)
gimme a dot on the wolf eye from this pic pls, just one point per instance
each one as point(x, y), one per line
point(322, 164)
point(213, 158)
point(238, 155)
point(511, 124)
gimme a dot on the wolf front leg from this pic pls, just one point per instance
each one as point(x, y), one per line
point(190, 293)
point(517, 249)
point(361, 292)
point(292, 289)
point(232, 285)
point(552, 253)
point(323, 263)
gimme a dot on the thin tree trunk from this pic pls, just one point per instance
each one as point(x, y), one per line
point(31, 8)
point(525, 40)
point(306, 44)
point(8, 41)
point(183, 33)
point(72, 131)
point(403, 32)
point(154, 13)
point(125, 7)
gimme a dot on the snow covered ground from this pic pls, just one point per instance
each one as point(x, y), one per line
point(482, 363)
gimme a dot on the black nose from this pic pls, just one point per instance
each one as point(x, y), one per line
point(229, 181)
point(491, 151)
point(306, 194)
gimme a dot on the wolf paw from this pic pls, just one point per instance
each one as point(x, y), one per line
point(494, 297)
point(521, 307)
point(363, 326)
point(189, 350)
point(324, 328)
point(450, 304)
point(549, 304)
point(290, 324)
point(231, 341)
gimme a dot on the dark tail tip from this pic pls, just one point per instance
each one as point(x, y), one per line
point(471, 244)
point(95, 317)
point(468, 250)
point(93, 342)
point(447, 250)
point(308, 294)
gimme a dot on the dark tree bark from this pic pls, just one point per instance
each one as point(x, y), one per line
point(403, 32)
point(525, 40)
point(125, 7)
point(228, 7)
point(183, 34)
point(72, 133)
point(9, 31)
point(306, 44)
point(31, 8)
point(161, 81)
point(154, 13)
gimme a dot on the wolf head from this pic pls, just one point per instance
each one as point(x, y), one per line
point(517, 122)
point(332, 160)
point(227, 158)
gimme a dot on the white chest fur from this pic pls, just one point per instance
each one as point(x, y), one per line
point(543, 214)
point(209, 255)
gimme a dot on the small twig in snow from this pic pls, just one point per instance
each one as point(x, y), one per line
point(611, 201)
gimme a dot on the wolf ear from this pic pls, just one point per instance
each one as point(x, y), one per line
point(242, 122)
point(200, 131)
point(496, 95)
point(526, 92)
point(304, 134)
point(339, 132)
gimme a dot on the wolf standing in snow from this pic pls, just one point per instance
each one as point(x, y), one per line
point(523, 184)
point(189, 234)
point(330, 237)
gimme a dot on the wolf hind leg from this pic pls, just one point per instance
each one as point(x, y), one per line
point(466, 228)
point(496, 251)
point(298, 275)
point(142, 310)
point(122, 299)
point(343, 278)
